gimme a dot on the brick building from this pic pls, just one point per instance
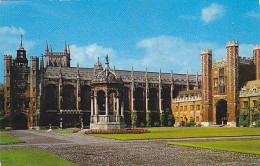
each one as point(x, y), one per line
point(221, 81)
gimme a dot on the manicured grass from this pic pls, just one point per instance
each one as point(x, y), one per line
point(6, 139)
point(182, 132)
point(245, 146)
point(30, 157)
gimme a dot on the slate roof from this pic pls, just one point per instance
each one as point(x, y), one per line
point(139, 76)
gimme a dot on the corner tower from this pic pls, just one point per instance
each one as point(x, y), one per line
point(232, 82)
point(206, 67)
point(257, 61)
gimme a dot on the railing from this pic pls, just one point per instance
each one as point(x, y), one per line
point(190, 98)
point(70, 111)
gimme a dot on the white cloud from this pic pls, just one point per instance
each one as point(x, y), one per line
point(11, 3)
point(10, 40)
point(175, 53)
point(11, 30)
point(213, 12)
point(252, 14)
point(86, 56)
point(170, 52)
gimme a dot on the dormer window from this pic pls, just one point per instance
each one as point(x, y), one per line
point(254, 90)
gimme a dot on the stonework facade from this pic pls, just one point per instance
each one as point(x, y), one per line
point(56, 94)
point(21, 88)
point(59, 95)
point(221, 81)
point(249, 100)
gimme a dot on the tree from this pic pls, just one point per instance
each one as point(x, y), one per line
point(148, 119)
point(162, 119)
point(134, 119)
point(169, 117)
point(3, 119)
point(244, 119)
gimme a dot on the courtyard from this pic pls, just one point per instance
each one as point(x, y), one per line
point(82, 149)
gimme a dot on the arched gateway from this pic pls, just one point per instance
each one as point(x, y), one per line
point(221, 112)
point(106, 102)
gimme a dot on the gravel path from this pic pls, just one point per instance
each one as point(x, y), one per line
point(88, 150)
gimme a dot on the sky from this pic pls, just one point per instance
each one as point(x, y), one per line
point(144, 34)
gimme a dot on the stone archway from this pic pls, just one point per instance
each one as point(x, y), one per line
point(221, 112)
point(85, 103)
point(153, 99)
point(166, 96)
point(85, 96)
point(154, 106)
point(112, 102)
point(51, 97)
point(126, 106)
point(101, 102)
point(139, 106)
point(139, 99)
point(69, 99)
point(20, 122)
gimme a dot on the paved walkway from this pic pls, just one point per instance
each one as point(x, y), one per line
point(89, 150)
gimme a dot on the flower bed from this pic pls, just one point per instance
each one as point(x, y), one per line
point(118, 131)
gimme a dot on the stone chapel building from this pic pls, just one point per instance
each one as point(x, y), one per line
point(55, 94)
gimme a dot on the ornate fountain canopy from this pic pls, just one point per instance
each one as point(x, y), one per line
point(106, 76)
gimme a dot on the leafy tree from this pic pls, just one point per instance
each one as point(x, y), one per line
point(134, 119)
point(244, 119)
point(148, 119)
point(162, 119)
point(168, 117)
point(3, 119)
point(191, 123)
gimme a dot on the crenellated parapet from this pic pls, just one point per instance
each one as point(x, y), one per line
point(232, 44)
point(7, 57)
point(256, 47)
point(206, 51)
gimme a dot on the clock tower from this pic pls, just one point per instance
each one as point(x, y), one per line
point(21, 89)
point(21, 59)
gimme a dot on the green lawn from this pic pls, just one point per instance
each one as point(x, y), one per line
point(30, 157)
point(6, 139)
point(245, 146)
point(181, 132)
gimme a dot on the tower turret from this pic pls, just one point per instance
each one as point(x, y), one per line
point(21, 59)
point(187, 81)
point(206, 66)
point(57, 58)
point(232, 82)
point(257, 61)
point(196, 81)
